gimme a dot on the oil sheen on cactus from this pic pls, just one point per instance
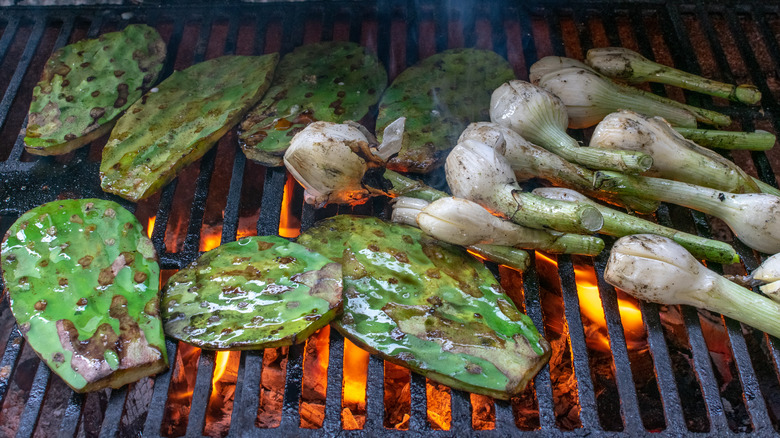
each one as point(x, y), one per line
point(177, 122)
point(331, 81)
point(439, 97)
point(83, 283)
point(258, 292)
point(429, 306)
point(86, 85)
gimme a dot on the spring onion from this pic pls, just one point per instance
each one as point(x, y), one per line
point(753, 217)
point(541, 118)
point(629, 66)
point(477, 172)
point(463, 222)
point(589, 96)
point(531, 161)
point(655, 268)
point(758, 140)
point(620, 224)
point(674, 157)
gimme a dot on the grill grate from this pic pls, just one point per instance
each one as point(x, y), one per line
point(415, 29)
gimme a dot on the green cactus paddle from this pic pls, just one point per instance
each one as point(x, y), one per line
point(428, 306)
point(439, 97)
point(331, 81)
point(258, 292)
point(85, 86)
point(83, 284)
point(177, 122)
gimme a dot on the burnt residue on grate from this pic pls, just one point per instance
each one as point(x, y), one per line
point(619, 368)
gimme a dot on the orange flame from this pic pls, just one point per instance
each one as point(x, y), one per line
point(591, 307)
point(289, 226)
point(355, 375)
point(150, 226)
point(220, 365)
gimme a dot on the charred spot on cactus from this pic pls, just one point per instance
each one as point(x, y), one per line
point(139, 277)
point(118, 73)
point(106, 276)
point(122, 92)
point(70, 137)
point(40, 305)
point(82, 302)
point(473, 368)
point(62, 281)
point(86, 261)
point(58, 357)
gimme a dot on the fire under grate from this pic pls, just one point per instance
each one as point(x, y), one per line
point(680, 371)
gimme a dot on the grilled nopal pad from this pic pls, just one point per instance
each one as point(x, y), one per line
point(332, 81)
point(177, 122)
point(255, 293)
point(429, 306)
point(439, 97)
point(86, 85)
point(83, 283)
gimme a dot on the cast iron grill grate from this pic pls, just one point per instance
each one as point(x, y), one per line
point(738, 43)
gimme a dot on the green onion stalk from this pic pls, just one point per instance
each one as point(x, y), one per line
point(541, 118)
point(758, 140)
point(589, 96)
point(753, 217)
point(531, 161)
point(674, 157)
point(620, 224)
point(655, 268)
point(463, 222)
point(627, 65)
point(476, 172)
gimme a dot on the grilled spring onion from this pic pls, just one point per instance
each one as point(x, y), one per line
point(621, 224)
point(753, 217)
point(655, 268)
point(758, 140)
point(541, 118)
point(477, 172)
point(629, 66)
point(674, 157)
point(589, 96)
point(463, 222)
point(531, 161)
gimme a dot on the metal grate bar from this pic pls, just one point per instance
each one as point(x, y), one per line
point(248, 390)
point(460, 410)
point(24, 62)
point(271, 202)
point(332, 421)
point(70, 421)
point(375, 396)
point(412, 34)
point(11, 26)
point(629, 404)
point(113, 414)
point(418, 419)
point(160, 396)
point(34, 401)
point(9, 360)
point(200, 394)
point(579, 350)
point(292, 390)
point(542, 382)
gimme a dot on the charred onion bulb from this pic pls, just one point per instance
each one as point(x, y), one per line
point(477, 172)
point(674, 157)
point(541, 118)
point(627, 65)
point(655, 268)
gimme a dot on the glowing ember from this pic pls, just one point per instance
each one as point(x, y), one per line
point(289, 225)
point(483, 412)
point(150, 226)
point(210, 238)
point(315, 379)
point(353, 414)
point(439, 405)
